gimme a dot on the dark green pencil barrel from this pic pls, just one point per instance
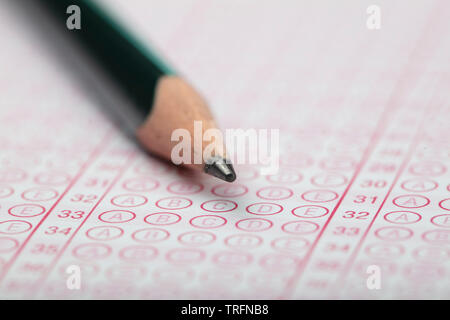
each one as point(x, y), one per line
point(131, 66)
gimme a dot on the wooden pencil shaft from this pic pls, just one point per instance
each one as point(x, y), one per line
point(165, 101)
point(134, 69)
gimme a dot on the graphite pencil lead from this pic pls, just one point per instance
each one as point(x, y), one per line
point(219, 168)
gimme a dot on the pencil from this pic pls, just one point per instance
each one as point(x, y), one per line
point(164, 101)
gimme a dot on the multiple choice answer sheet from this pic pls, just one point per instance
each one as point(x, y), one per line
point(360, 207)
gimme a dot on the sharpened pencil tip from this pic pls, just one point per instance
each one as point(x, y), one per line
point(219, 168)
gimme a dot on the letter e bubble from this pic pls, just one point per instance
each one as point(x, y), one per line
point(73, 282)
point(374, 280)
point(74, 20)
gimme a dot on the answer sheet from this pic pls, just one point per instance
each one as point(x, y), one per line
point(359, 209)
